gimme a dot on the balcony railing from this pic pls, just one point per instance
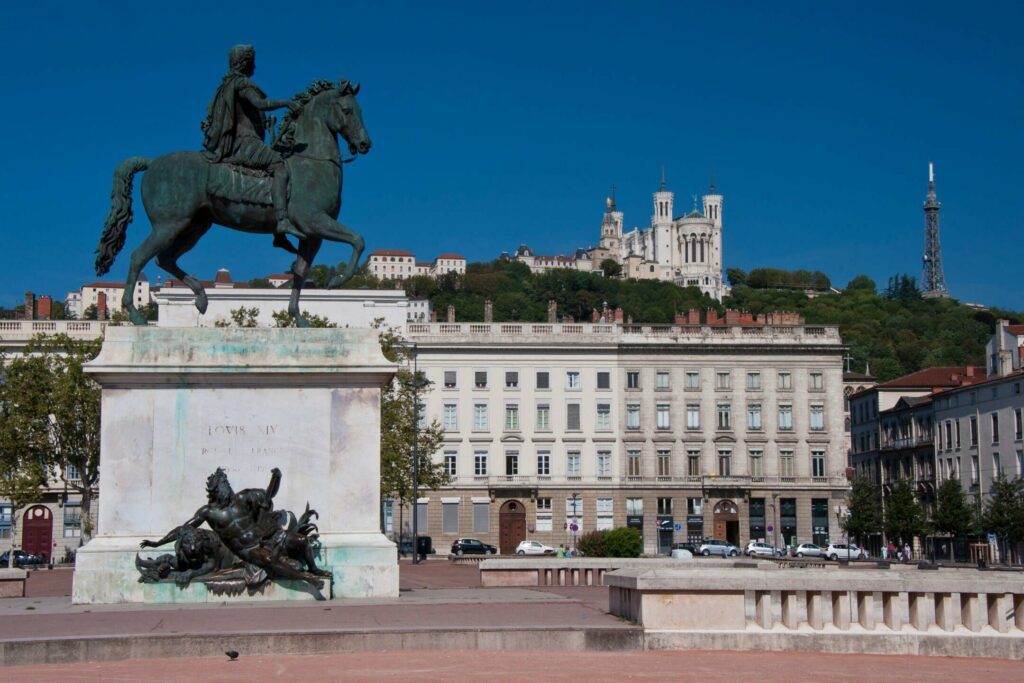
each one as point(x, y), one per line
point(572, 332)
point(705, 481)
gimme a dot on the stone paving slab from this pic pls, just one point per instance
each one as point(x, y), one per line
point(538, 665)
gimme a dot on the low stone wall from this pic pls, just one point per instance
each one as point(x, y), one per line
point(951, 612)
point(584, 571)
point(12, 583)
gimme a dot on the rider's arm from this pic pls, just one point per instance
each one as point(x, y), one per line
point(262, 103)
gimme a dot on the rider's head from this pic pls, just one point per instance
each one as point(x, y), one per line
point(242, 60)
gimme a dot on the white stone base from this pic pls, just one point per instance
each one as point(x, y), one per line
point(362, 566)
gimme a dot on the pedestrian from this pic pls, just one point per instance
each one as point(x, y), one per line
point(906, 552)
point(892, 551)
point(560, 553)
point(885, 553)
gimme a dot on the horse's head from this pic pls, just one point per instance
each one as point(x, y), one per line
point(347, 118)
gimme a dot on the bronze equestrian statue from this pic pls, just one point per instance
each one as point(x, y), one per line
point(291, 187)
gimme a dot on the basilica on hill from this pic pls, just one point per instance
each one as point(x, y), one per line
point(686, 249)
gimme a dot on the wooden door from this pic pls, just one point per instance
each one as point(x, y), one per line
point(511, 526)
point(719, 529)
point(37, 531)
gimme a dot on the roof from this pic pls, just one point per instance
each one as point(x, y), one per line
point(223, 276)
point(390, 252)
point(1016, 374)
point(280, 276)
point(1015, 329)
point(105, 285)
point(424, 264)
point(943, 376)
point(858, 377)
point(451, 256)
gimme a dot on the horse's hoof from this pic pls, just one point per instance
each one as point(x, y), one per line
point(301, 321)
point(338, 281)
point(137, 318)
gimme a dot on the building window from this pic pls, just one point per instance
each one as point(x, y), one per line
point(664, 462)
point(996, 466)
point(5, 521)
point(572, 380)
point(574, 510)
point(451, 462)
point(604, 514)
point(974, 431)
point(693, 462)
point(995, 428)
point(756, 463)
point(511, 379)
point(633, 463)
point(480, 463)
point(543, 380)
point(449, 518)
point(543, 463)
point(543, 514)
point(632, 416)
point(1018, 425)
point(956, 426)
point(693, 380)
point(785, 380)
point(634, 506)
point(480, 417)
point(663, 417)
point(604, 463)
point(604, 416)
point(724, 412)
point(786, 466)
point(422, 515)
point(753, 381)
point(949, 435)
point(543, 417)
point(511, 463)
point(817, 418)
point(451, 379)
point(572, 417)
point(480, 379)
point(604, 380)
point(572, 464)
point(724, 463)
point(816, 381)
point(754, 416)
point(664, 506)
point(512, 417)
point(785, 417)
point(451, 417)
point(633, 379)
point(817, 463)
point(481, 518)
point(723, 380)
point(661, 380)
point(974, 470)
point(693, 416)
point(71, 473)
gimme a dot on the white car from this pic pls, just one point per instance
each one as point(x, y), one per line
point(534, 548)
point(842, 551)
point(809, 550)
point(760, 549)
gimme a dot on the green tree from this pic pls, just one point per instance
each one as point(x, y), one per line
point(239, 317)
point(51, 421)
point(904, 518)
point(91, 312)
point(737, 276)
point(863, 283)
point(953, 514)
point(285, 319)
point(611, 268)
point(1003, 512)
point(398, 427)
point(864, 519)
point(260, 283)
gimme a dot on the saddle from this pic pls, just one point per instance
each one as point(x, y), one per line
point(239, 184)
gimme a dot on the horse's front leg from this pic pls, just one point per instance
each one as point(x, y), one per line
point(327, 228)
point(306, 253)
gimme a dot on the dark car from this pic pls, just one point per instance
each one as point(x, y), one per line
point(692, 547)
point(21, 559)
point(471, 546)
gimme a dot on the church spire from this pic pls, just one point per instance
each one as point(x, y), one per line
point(712, 190)
point(662, 177)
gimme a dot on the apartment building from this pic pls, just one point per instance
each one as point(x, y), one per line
point(682, 431)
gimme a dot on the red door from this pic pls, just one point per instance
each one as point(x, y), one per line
point(37, 531)
point(511, 526)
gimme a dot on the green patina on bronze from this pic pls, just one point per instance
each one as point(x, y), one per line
point(290, 187)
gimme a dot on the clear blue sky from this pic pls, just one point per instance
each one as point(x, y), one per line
point(500, 125)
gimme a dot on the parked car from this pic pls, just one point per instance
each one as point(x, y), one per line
point(21, 559)
point(694, 548)
point(842, 551)
point(471, 546)
point(761, 549)
point(809, 550)
point(714, 546)
point(534, 548)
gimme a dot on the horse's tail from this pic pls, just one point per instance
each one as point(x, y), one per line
point(116, 225)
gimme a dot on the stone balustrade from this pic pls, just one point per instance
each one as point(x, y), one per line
point(16, 334)
point(551, 571)
point(948, 612)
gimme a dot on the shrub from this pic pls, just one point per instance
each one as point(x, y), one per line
point(621, 542)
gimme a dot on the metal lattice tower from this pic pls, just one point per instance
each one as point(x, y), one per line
point(933, 282)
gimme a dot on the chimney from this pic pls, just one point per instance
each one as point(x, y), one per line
point(969, 371)
point(713, 317)
point(681, 318)
point(732, 317)
point(30, 306)
point(693, 317)
point(101, 305)
point(552, 311)
point(44, 309)
point(618, 315)
point(488, 311)
point(451, 313)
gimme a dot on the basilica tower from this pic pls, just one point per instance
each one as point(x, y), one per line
point(661, 224)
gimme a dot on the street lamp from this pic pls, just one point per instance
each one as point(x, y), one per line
point(575, 516)
point(775, 521)
point(415, 384)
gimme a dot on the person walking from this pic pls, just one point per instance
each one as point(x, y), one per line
point(906, 552)
point(885, 553)
point(560, 553)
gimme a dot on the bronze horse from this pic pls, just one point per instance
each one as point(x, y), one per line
point(184, 195)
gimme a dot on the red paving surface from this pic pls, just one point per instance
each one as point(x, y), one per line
point(544, 666)
point(48, 582)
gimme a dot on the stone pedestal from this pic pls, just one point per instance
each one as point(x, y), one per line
point(180, 402)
